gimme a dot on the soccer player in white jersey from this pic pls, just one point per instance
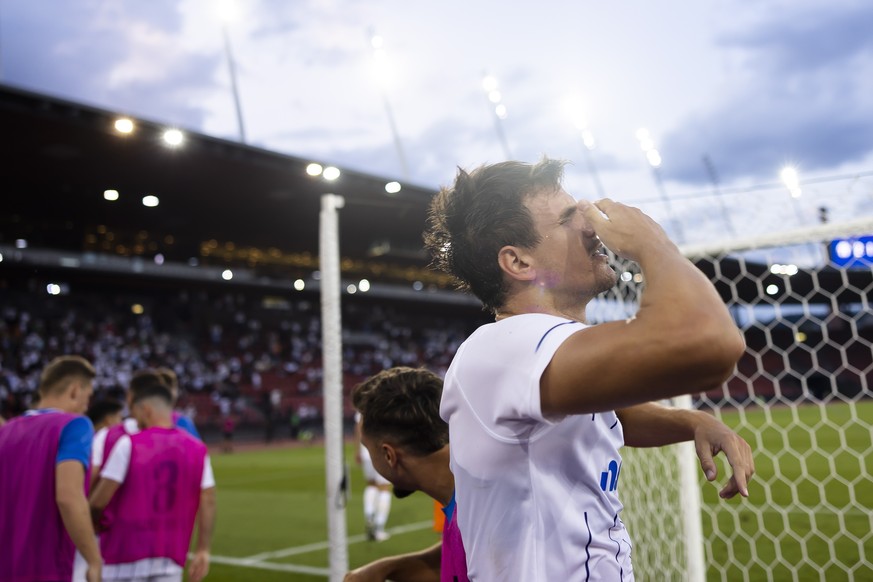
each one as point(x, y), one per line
point(538, 403)
point(377, 493)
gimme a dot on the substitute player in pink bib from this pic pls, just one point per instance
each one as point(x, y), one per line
point(44, 459)
point(156, 483)
point(409, 444)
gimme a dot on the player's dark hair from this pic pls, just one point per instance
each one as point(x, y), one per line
point(98, 411)
point(484, 211)
point(170, 379)
point(402, 405)
point(62, 370)
point(147, 384)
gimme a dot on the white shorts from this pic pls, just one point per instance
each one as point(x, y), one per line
point(370, 472)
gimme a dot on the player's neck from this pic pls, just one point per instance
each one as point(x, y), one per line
point(162, 421)
point(56, 403)
point(439, 482)
point(537, 300)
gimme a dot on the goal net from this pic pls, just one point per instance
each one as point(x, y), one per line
point(800, 396)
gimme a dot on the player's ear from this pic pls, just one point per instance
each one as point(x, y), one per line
point(516, 263)
point(390, 454)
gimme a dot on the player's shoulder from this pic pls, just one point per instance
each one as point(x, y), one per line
point(519, 330)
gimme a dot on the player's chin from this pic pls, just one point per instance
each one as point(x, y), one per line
point(402, 493)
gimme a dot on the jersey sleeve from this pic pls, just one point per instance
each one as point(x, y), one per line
point(75, 441)
point(118, 462)
point(98, 447)
point(497, 376)
point(187, 425)
point(208, 479)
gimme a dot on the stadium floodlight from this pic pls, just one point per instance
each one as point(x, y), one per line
point(227, 11)
point(150, 201)
point(314, 169)
point(53, 289)
point(299, 285)
point(495, 103)
point(418, 285)
point(351, 289)
point(110, 195)
point(124, 125)
point(227, 274)
point(331, 173)
point(1, 257)
point(393, 187)
point(137, 309)
point(653, 157)
point(382, 72)
point(20, 243)
point(364, 285)
point(772, 289)
point(173, 137)
point(791, 180)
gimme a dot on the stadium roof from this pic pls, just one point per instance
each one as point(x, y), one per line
point(59, 157)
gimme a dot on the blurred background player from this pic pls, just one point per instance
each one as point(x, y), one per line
point(409, 445)
point(44, 460)
point(159, 481)
point(105, 414)
point(377, 493)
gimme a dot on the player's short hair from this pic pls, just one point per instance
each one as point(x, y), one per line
point(403, 405)
point(482, 212)
point(169, 377)
point(62, 370)
point(147, 384)
point(98, 411)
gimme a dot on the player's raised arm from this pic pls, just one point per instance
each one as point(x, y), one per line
point(682, 335)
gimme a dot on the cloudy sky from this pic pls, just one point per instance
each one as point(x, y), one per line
point(748, 86)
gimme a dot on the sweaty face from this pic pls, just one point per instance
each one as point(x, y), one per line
point(570, 260)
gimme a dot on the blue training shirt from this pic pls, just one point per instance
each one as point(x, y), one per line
point(187, 425)
point(75, 440)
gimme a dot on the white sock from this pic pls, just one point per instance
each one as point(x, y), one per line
point(370, 493)
point(383, 509)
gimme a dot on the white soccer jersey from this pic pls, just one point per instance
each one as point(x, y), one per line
point(537, 498)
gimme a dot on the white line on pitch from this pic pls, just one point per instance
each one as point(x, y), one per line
point(298, 569)
point(258, 558)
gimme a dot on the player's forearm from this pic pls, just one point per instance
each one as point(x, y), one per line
point(423, 566)
point(77, 521)
point(206, 520)
point(681, 309)
point(653, 425)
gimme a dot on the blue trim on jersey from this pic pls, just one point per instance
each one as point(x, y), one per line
point(587, 552)
point(449, 509)
point(617, 543)
point(75, 441)
point(187, 425)
point(550, 331)
point(614, 424)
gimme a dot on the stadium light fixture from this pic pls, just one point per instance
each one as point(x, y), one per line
point(53, 289)
point(351, 289)
point(393, 187)
point(1, 257)
point(418, 285)
point(772, 289)
point(124, 125)
point(137, 309)
point(150, 201)
point(173, 137)
point(364, 285)
point(227, 274)
point(299, 285)
point(331, 173)
point(110, 195)
point(489, 83)
point(227, 11)
point(20, 243)
point(791, 179)
point(314, 169)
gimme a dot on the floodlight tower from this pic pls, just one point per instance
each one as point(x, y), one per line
point(228, 13)
point(580, 122)
point(380, 62)
point(713, 179)
point(495, 103)
point(791, 179)
point(653, 157)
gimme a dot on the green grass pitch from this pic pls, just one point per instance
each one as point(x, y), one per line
point(274, 501)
